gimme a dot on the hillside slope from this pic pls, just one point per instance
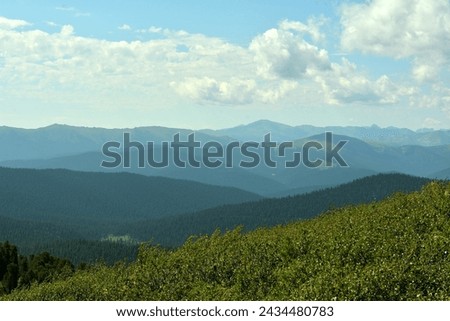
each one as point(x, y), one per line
point(173, 231)
point(397, 249)
point(53, 215)
point(66, 195)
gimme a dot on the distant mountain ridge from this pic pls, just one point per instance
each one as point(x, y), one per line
point(369, 150)
point(444, 174)
point(391, 136)
point(63, 140)
point(409, 159)
point(60, 140)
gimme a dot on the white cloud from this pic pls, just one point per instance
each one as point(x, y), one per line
point(312, 28)
point(437, 98)
point(430, 122)
point(344, 84)
point(417, 29)
point(278, 65)
point(425, 71)
point(63, 66)
point(276, 61)
point(208, 90)
point(67, 30)
point(274, 93)
point(124, 27)
point(283, 52)
point(9, 24)
point(153, 29)
point(65, 8)
point(51, 24)
point(73, 10)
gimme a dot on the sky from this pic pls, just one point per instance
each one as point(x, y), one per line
point(218, 64)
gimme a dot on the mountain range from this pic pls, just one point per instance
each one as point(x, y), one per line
point(368, 150)
point(391, 136)
point(55, 193)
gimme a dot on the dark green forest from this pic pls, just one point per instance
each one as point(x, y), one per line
point(70, 232)
point(173, 231)
point(67, 196)
point(87, 251)
point(394, 249)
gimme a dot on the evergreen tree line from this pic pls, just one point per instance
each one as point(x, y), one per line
point(78, 239)
point(18, 271)
point(88, 251)
point(173, 231)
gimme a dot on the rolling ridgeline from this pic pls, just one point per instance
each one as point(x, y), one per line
point(226, 233)
point(395, 249)
point(85, 217)
point(369, 150)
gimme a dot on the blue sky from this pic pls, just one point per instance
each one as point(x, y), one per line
point(216, 64)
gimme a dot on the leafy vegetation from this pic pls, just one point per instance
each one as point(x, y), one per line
point(396, 249)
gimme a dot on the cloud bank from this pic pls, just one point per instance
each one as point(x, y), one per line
point(285, 64)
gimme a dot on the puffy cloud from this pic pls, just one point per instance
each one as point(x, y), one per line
point(233, 91)
point(208, 90)
point(417, 29)
point(277, 61)
point(124, 27)
point(275, 93)
point(61, 65)
point(431, 123)
point(285, 55)
point(312, 28)
point(152, 29)
point(283, 52)
point(435, 99)
point(67, 30)
point(9, 24)
point(282, 63)
point(344, 84)
point(73, 10)
point(51, 24)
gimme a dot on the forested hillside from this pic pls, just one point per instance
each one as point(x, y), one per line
point(87, 251)
point(84, 238)
point(63, 195)
point(173, 231)
point(396, 249)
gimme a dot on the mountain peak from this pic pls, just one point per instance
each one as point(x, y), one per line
point(266, 122)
